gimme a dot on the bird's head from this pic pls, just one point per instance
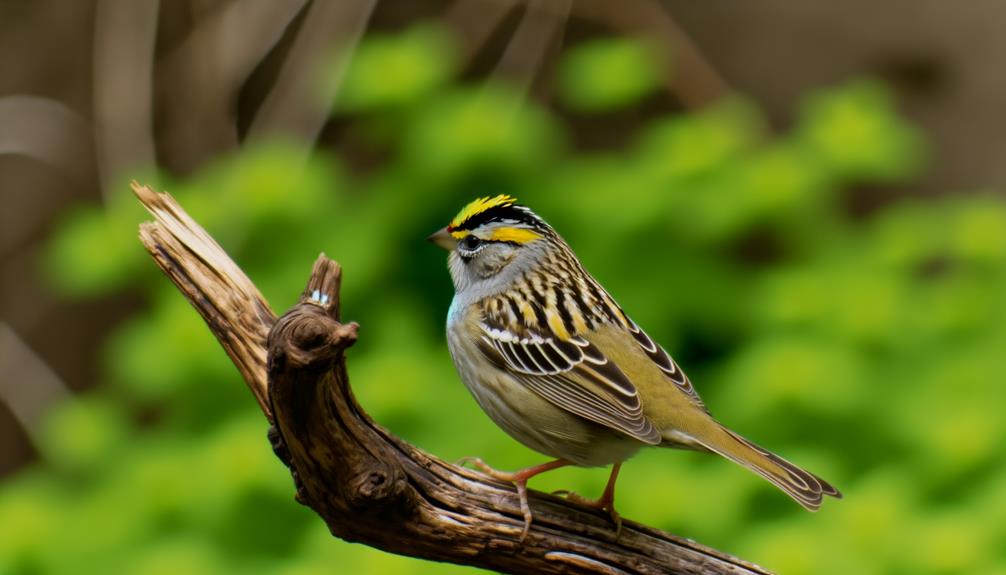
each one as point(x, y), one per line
point(492, 240)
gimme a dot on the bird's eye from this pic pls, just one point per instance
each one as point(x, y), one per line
point(470, 242)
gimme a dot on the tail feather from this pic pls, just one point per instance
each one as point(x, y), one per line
point(804, 487)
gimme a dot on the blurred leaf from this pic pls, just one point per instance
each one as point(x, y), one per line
point(684, 147)
point(796, 373)
point(600, 75)
point(397, 70)
point(475, 129)
point(31, 509)
point(84, 434)
point(157, 357)
point(855, 134)
point(90, 256)
point(183, 554)
point(779, 180)
point(949, 542)
point(978, 231)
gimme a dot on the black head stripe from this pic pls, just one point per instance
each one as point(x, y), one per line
point(510, 213)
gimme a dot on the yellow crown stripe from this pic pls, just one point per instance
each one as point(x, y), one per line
point(480, 205)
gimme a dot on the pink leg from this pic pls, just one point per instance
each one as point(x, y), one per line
point(518, 478)
point(605, 503)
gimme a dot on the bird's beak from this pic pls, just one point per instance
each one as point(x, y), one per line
point(443, 238)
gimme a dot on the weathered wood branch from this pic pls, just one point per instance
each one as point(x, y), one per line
point(366, 484)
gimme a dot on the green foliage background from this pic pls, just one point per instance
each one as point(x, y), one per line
point(868, 348)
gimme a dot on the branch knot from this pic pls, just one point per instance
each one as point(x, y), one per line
point(307, 337)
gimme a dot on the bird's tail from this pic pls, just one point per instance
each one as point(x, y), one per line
point(804, 487)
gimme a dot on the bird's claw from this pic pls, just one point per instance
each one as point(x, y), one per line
point(525, 508)
point(482, 466)
point(600, 504)
point(518, 479)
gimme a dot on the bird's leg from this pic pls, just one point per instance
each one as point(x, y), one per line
point(607, 501)
point(519, 479)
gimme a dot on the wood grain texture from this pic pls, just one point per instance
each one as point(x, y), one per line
point(366, 484)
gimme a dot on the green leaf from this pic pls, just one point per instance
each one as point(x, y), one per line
point(607, 74)
point(491, 128)
point(856, 135)
point(83, 434)
point(396, 70)
point(92, 254)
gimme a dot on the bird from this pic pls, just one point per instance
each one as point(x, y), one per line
point(556, 363)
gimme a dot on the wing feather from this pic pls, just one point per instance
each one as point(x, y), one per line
point(572, 374)
point(664, 362)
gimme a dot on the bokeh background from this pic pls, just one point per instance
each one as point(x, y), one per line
point(802, 201)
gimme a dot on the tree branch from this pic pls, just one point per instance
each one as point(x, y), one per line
point(366, 484)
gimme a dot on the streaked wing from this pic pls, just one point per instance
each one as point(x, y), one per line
point(570, 373)
point(664, 362)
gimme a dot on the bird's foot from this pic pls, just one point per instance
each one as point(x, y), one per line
point(606, 503)
point(519, 479)
point(477, 463)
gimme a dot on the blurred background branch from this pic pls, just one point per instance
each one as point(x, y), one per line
point(298, 105)
point(199, 81)
point(29, 387)
point(125, 37)
point(47, 131)
point(694, 81)
point(537, 37)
